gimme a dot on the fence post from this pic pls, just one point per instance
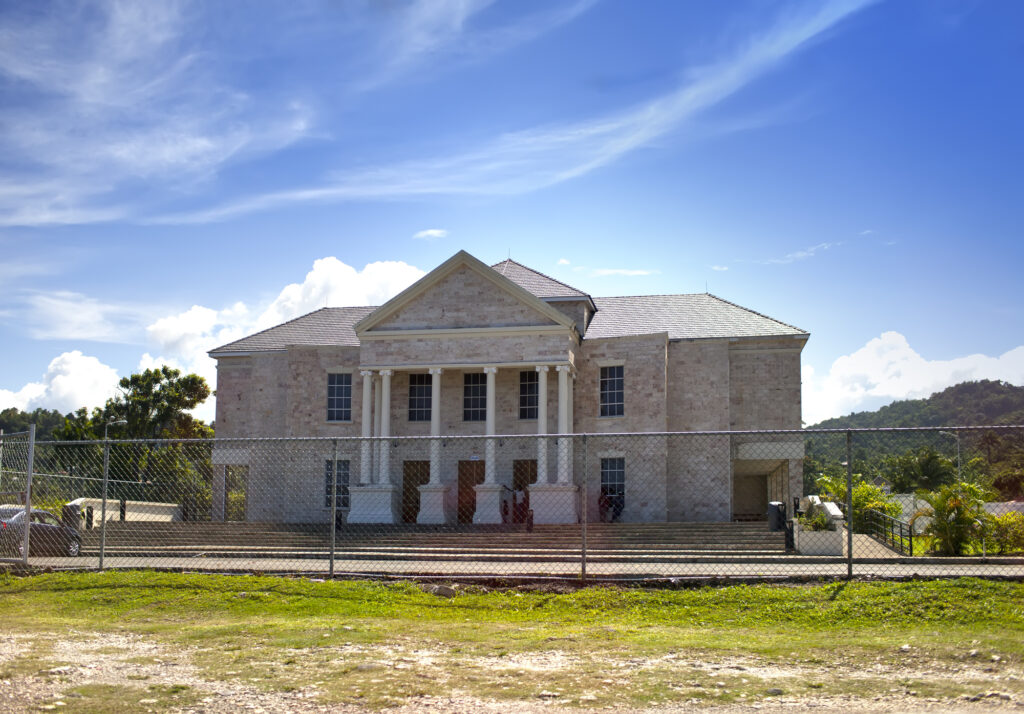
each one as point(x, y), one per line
point(583, 515)
point(28, 488)
point(334, 502)
point(103, 505)
point(849, 504)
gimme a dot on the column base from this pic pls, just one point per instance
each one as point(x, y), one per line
point(373, 504)
point(432, 504)
point(488, 503)
point(554, 503)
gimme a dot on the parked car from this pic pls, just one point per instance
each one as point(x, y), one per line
point(48, 536)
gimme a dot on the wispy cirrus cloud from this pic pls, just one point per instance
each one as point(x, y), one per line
point(103, 94)
point(532, 159)
point(803, 254)
point(427, 30)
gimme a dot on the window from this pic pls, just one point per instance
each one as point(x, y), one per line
point(339, 397)
point(529, 395)
point(474, 396)
point(613, 393)
point(343, 472)
point(613, 488)
point(420, 390)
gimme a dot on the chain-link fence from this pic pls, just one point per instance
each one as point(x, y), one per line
point(886, 502)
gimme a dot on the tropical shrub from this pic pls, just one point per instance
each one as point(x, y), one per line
point(958, 517)
point(818, 521)
point(1007, 531)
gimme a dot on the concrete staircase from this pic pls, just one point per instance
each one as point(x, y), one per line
point(605, 542)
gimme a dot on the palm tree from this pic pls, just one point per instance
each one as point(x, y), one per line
point(957, 513)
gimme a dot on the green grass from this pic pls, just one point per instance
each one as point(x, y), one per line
point(379, 644)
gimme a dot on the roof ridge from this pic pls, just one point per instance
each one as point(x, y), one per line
point(543, 275)
point(755, 312)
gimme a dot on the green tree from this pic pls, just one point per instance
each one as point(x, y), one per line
point(922, 468)
point(957, 513)
point(154, 403)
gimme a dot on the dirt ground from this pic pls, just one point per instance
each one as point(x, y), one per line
point(119, 672)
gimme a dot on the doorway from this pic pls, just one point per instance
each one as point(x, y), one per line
point(471, 473)
point(414, 475)
point(524, 474)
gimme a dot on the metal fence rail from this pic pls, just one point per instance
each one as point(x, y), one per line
point(638, 505)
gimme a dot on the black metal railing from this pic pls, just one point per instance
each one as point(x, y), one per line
point(892, 532)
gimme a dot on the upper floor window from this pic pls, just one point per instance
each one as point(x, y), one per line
point(529, 394)
point(420, 393)
point(613, 391)
point(339, 397)
point(341, 495)
point(474, 396)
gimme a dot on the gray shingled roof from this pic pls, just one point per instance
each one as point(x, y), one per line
point(698, 316)
point(537, 283)
point(326, 326)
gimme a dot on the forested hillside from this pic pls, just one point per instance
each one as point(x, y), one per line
point(966, 404)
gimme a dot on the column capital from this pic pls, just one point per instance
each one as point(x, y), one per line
point(490, 370)
point(542, 368)
point(435, 370)
point(564, 368)
point(386, 372)
point(366, 372)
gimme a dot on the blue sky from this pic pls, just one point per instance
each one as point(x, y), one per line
point(176, 175)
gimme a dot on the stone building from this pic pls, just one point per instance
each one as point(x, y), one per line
point(489, 366)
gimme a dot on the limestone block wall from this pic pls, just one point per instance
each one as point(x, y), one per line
point(251, 395)
point(764, 384)
point(463, 298)
point(700, 478)
point(479, 349)
point(306, 402)
point(644, 373)
point(698, 385)
point(576, 310)
point(644, 457)
point(286, 484)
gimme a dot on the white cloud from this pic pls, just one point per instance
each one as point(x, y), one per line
point(72, 316)
point(332, 283)
point(71, 380)
point(720, 268)
point(114, 93)
point(182, 340)
point(867, 232)
point(800, 254)
point(535, 158)
point(431, 233)
point(426, 29)
point(563, 261)
point(887, 369)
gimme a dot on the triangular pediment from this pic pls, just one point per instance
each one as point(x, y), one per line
point(462, 293)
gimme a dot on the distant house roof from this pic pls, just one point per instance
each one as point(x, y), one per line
point(537, 283)
point(696, 316)
point(326, 326)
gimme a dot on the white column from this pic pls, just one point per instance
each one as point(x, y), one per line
point(542, 423)
point(376, 431)
point(563, 423)
point(385, 426)
point(490, 452)
point(365, 458)
point(435, 427)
